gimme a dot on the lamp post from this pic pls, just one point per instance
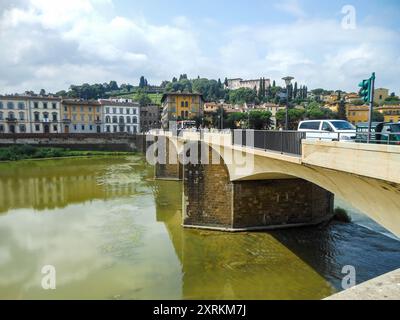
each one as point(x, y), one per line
point(288, 81)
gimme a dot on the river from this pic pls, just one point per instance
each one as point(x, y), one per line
point(113, 232)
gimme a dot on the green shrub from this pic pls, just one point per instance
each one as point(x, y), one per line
point(342, 215)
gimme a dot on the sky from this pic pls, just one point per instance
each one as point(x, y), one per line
point(324, 44)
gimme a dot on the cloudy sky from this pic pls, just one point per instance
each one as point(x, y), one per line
point(52, 44)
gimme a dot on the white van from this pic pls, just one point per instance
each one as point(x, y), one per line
point(332, 130)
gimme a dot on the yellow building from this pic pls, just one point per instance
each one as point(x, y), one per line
point(390, 113)
point(380, 95)
point(356, 114)
point(181, 106)
point(81, 116)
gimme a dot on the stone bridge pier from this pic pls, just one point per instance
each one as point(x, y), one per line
point(168, 166)
point(212, 201)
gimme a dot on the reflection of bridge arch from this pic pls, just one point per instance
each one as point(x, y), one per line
point(282, 176)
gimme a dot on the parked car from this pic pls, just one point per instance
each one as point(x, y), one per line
point(381, 132)
point(332, 130)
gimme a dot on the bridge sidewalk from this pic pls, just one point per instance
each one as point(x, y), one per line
point(386, 287)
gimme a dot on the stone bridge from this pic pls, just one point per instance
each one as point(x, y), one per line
point(231, 187)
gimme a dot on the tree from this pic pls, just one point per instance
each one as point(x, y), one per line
point(143, 98)
point(174, 79)
point(113, 86)
point(234, 119)
point(294, 117)
point(295, 90)
point(260, 120)
point(42, 92)
point(226, 82)
point(378, 117)
point(342, 110)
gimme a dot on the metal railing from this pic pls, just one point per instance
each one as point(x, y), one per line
point(389, 138)
point(284, 142)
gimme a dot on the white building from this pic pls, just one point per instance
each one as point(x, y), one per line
point(238, 83)
point(14, 114)
point(45, 114)
point(120, 116)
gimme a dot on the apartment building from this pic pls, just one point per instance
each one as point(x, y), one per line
point(44, 114)
point(14, 114)
point(120, 116)
point(81, 116)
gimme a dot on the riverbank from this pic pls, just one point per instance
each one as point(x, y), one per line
point(28, 152)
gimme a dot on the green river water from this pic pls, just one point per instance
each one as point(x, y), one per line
point(113, 232)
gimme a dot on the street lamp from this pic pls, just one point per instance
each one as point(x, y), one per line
point(288, 81)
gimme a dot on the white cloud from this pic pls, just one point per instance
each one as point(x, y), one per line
point(52, 44)
point(292, 7)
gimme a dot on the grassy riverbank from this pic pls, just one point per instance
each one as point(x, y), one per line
point(22, 152)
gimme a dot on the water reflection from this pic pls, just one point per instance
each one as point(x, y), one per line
point(112, 232)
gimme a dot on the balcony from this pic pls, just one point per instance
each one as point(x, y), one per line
point(11, 120)
point(98, 122)
point(66, 120)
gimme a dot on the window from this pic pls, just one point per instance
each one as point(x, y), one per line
point(1, 115)
point(108, 129)
point(114, 110)
point(55, 129)
point(75, 127)
point(182, 114)
point(121, 128)
point(128, 111)
point(54, 116)
point(82, 117)
point(115, 128)
point(11, 116)
point(115, 119)
point(186, 104)
point(90, 118)
point(81, 109)
point(46, 115)
point(44, 105)
point(108, 119)
point(37, 117)
point(22, 128)
point(36, 105)
point(90, 127)
point(182, 104)
point(134, 120)
point(37, 127)
point(128, 119)
point(54, 105)
point(74, 117)
point(10, 105)
point(134, 111)
point(83, 127)
point(97, 109)
point(21, 116)
point(1, 128)
point(74, 108)
point(129, 128)
point(1, 105)
point(121, 119)
point(310, 125)
point(65, 108)
point(121, 110)
point(134, 129)
point(90, 109)
point(21, 105)
point(186, 114)
point(107, 110)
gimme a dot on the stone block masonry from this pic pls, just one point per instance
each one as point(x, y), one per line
point(90, 142)
point(212, 201)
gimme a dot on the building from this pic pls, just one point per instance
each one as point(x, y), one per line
point(238, 83)
point(181, 106)
point(120, 116)
point(356, 114)
point(351, 97)
point(380, 95)
point(211, 107)
point(150, 117)
point(45, 114)
point(14, 114)
point(390, 113)
point(81, 116)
